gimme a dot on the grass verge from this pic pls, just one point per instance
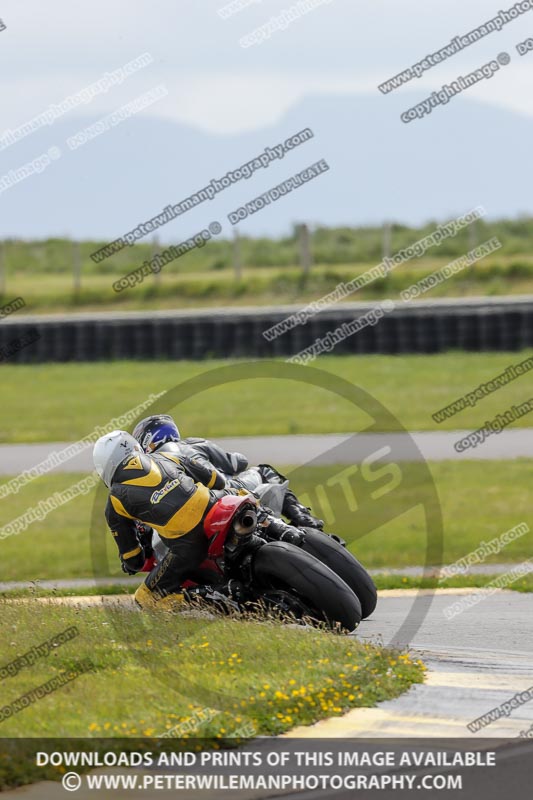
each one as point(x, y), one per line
point(192, 678)
point(385, 581)
point(33, 592)
point(411, 387)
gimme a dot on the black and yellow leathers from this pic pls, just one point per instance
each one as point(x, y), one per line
point(158, 491)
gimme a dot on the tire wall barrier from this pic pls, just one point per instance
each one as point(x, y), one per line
point(506, 327)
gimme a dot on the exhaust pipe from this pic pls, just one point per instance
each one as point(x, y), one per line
point(246, 523)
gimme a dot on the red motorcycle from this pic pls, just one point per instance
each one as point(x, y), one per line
point(275, 575)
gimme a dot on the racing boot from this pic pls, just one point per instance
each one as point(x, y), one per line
point(296, 513)
point(278, 530)
point(153, 601)
point(161, 591)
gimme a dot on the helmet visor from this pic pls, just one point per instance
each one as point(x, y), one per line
point(167, 432)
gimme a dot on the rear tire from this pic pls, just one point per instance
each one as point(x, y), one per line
point(279, 565)
point(345, 565)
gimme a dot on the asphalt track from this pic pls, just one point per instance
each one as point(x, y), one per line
point(308, 449)
point(476, 660)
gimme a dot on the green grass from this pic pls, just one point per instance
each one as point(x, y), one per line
point(384, 581)
point(266, 285)
point(330, 247)
point(41, 271)
point(391, 531)
point(64, 402)
point(60, 545)
point(35, 591)
point(227, 678)
point(386, 532)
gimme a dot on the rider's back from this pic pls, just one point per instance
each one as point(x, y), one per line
point(157, 491)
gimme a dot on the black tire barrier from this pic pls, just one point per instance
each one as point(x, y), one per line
point(502, 325)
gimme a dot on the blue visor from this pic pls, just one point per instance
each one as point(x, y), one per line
point(167, 432)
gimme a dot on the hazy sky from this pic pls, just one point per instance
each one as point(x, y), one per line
point(333, 56)
point(52, 49)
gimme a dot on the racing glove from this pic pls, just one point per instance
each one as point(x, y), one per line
point(131, 566)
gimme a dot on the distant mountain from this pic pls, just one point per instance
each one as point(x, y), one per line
point(463, 155)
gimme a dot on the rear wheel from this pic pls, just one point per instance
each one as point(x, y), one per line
point(345, 565)
point(286, 605)
point(279, 565)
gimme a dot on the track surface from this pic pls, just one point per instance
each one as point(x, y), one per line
point(476, 661)
point(307, 449)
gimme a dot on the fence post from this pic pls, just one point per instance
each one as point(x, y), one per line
point(155, 250)
point(387, 239)
point(237, 255)
point(306, 258)
point(76, 267)
point(472, 235)
point(2, 270)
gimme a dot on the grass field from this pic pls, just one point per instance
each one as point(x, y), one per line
point(41, 271)
point(477, 505)
point(64, 402)
point(272, 285)
point(150, 675)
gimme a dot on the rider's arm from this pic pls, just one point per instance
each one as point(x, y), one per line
point(229, 463)
point(238, 462)
point(124, 531)
point(203, 471)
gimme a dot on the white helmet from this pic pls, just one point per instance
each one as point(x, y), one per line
point(111, 450)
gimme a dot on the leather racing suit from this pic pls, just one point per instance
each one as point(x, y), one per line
point(158, 492)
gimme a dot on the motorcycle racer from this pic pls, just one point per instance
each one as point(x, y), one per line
point(160, 433)
point(157, 491)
